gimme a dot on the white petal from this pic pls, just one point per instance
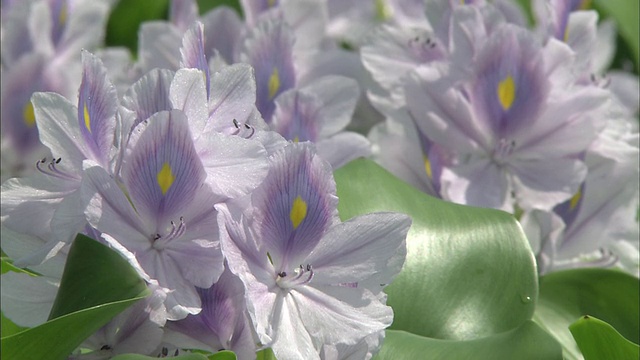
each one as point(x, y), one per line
point(27, 300)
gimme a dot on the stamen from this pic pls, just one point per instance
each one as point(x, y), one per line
point(304, 275)
point(52, 170)
point(242, 130)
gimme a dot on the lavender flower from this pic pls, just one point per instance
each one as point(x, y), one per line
point(310, 279)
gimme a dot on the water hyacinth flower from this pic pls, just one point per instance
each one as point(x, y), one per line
point(223, 323)
point(41, 43)
point(160, 217)
point(318, 113)
point(72, 134)
point(309, 279)
point(599, 216)
point(515, 130)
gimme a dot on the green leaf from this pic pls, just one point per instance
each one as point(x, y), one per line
point(625, 13)
point(192, 356)
point(97, 284)
point(266, 354)
point(527, 341)
point(57, 338)
point(607, 294)
point(469, 272)
point(94, 275)
point(599, 340)
point(223, 355)
point(126, 17)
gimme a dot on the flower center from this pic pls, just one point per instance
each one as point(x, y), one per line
point(301, 276)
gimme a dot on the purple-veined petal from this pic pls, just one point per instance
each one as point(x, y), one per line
point(253, 8)
point(40, 254)
point(193, 52)
point(442, 112)
point(150, 94)
point(295, 205)
point(97, 106)
point(354, 250)
point(163, 171)
point(269, 49)
point(297, 116)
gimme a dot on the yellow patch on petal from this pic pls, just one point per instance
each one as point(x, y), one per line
point(28, 115)
point(298, 211)
point(383, 11)
point(87, 118)
point(274, 83)
point(585, 5)
point(296, 139)
point(575, 200)
point(271, 3)
point(62, 17)
point(565, 37)
point(427, 167)
point(506, 92)
point(165, 178)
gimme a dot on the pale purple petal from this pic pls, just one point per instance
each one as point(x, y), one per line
point(159, 46)
point(59, 130)
point(188, 93)
point(193, 52)
point(233, 96)
point(223, 30)
point(109, 210)
point(544, 184)
point(18, 84)
point(343, 147)
point(234, 166)
point(340, 315)
point(163, 170)
point(150, 94)
point(339, 96)
point(481, 183)
point(183, 13)
point(354, 250)
point(97, 106)
point(295, 205)
point(27, 300)
point(269, 49)
point(84, 30)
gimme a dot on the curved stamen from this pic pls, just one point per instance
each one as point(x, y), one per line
point(52, 170)
point(300, 279)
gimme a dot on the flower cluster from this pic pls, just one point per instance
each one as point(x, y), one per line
point(208, 166)
point(480, 110)
point(207, 161)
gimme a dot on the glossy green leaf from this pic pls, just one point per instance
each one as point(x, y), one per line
point(126, 17)
point(607, 294)
point(223, 355)
point(599, 340)
point(469, 272)
point(94, 275)
point(193, 356)
point(625, 13)
point(57, 338)
point(527, 341)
